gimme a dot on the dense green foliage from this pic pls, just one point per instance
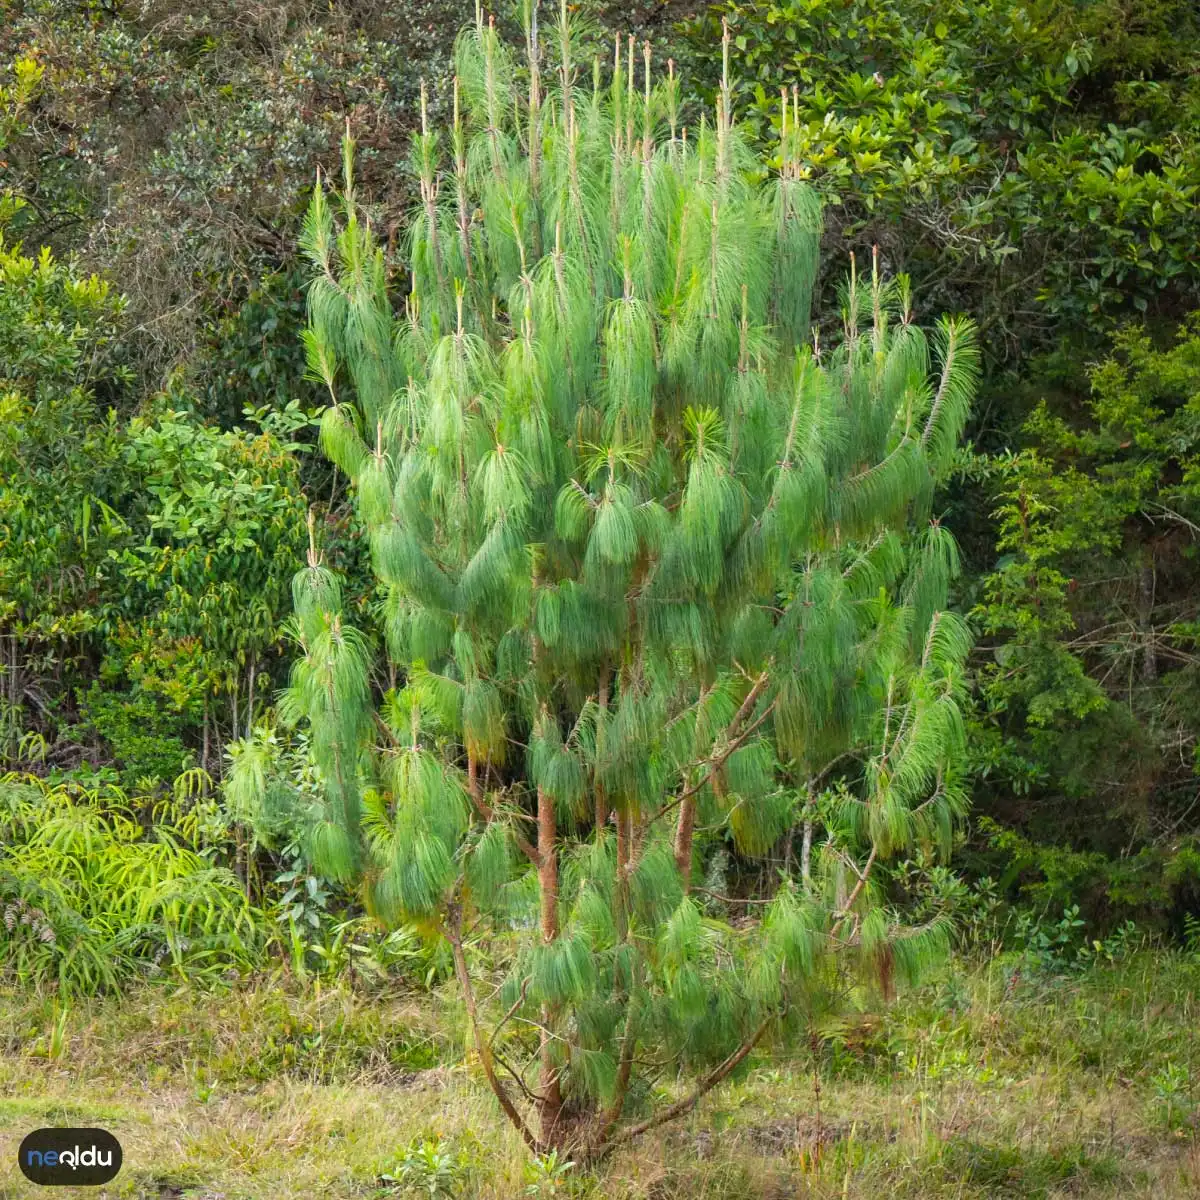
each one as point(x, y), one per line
point(1035, 164)
point(173, 145)
point(143, 560)
point(1032, 164)
point(91, 897)
point(1091, 699)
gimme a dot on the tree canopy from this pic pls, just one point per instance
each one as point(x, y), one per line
point(649, 558)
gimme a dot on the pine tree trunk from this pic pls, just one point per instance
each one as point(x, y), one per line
point(621, 884)
point(683, 840)
point(601, 796)
point(550, 1095)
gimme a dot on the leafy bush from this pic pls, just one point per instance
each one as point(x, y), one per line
point(61, 477)
point(97, 892)
point(142, 733)
point(1036, 163)
point(429, 1169)
point(144, 561)
point(1087, 732)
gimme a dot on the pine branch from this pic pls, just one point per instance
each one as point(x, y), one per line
point(453, 931)
point(729, 742)
point(488, 813)
point(844, 912)
point(710, 1081)
point(943, 384)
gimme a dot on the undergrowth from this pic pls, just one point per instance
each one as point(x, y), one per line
point(995, 1080)
point(98, 888)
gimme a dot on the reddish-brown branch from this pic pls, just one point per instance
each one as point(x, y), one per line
point(488, 813)
point(482, 1049)
point(601, 794)
point(550, 1105)
point(710, 1081)
point(683, 840)
point(621, 888)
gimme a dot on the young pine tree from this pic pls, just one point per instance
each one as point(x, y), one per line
point(649, 559)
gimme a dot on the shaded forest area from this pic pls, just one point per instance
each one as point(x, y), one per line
point(1033, 165)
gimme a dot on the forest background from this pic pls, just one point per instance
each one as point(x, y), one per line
point(1033, 164)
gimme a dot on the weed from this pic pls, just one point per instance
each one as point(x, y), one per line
point(428, 1169)
point(1173, 1093)
point(548, 1175)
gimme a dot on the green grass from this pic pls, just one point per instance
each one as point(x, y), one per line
point(968, 1088)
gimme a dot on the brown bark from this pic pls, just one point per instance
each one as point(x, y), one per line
point(550, 1099)
point(686, 825)
point(482, 1049)
point(602, 810)
point(621, 889)
point(637, 840)
point(486, 812)
point(684, 830)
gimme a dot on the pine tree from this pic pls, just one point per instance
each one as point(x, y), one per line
point(649, 559)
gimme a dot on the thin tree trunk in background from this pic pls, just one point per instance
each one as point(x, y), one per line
point(204, 747)
point(1145, 618)
point(218, 742)
point(250, 706)
point(806, 842)
point(14, 686)
point(550, 1098)
point(473, 785)
point(601, 795)
point(241, 858)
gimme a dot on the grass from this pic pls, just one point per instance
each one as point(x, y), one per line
point(971, 1087)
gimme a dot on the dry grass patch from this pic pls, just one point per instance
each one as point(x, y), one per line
point(966, 1089)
